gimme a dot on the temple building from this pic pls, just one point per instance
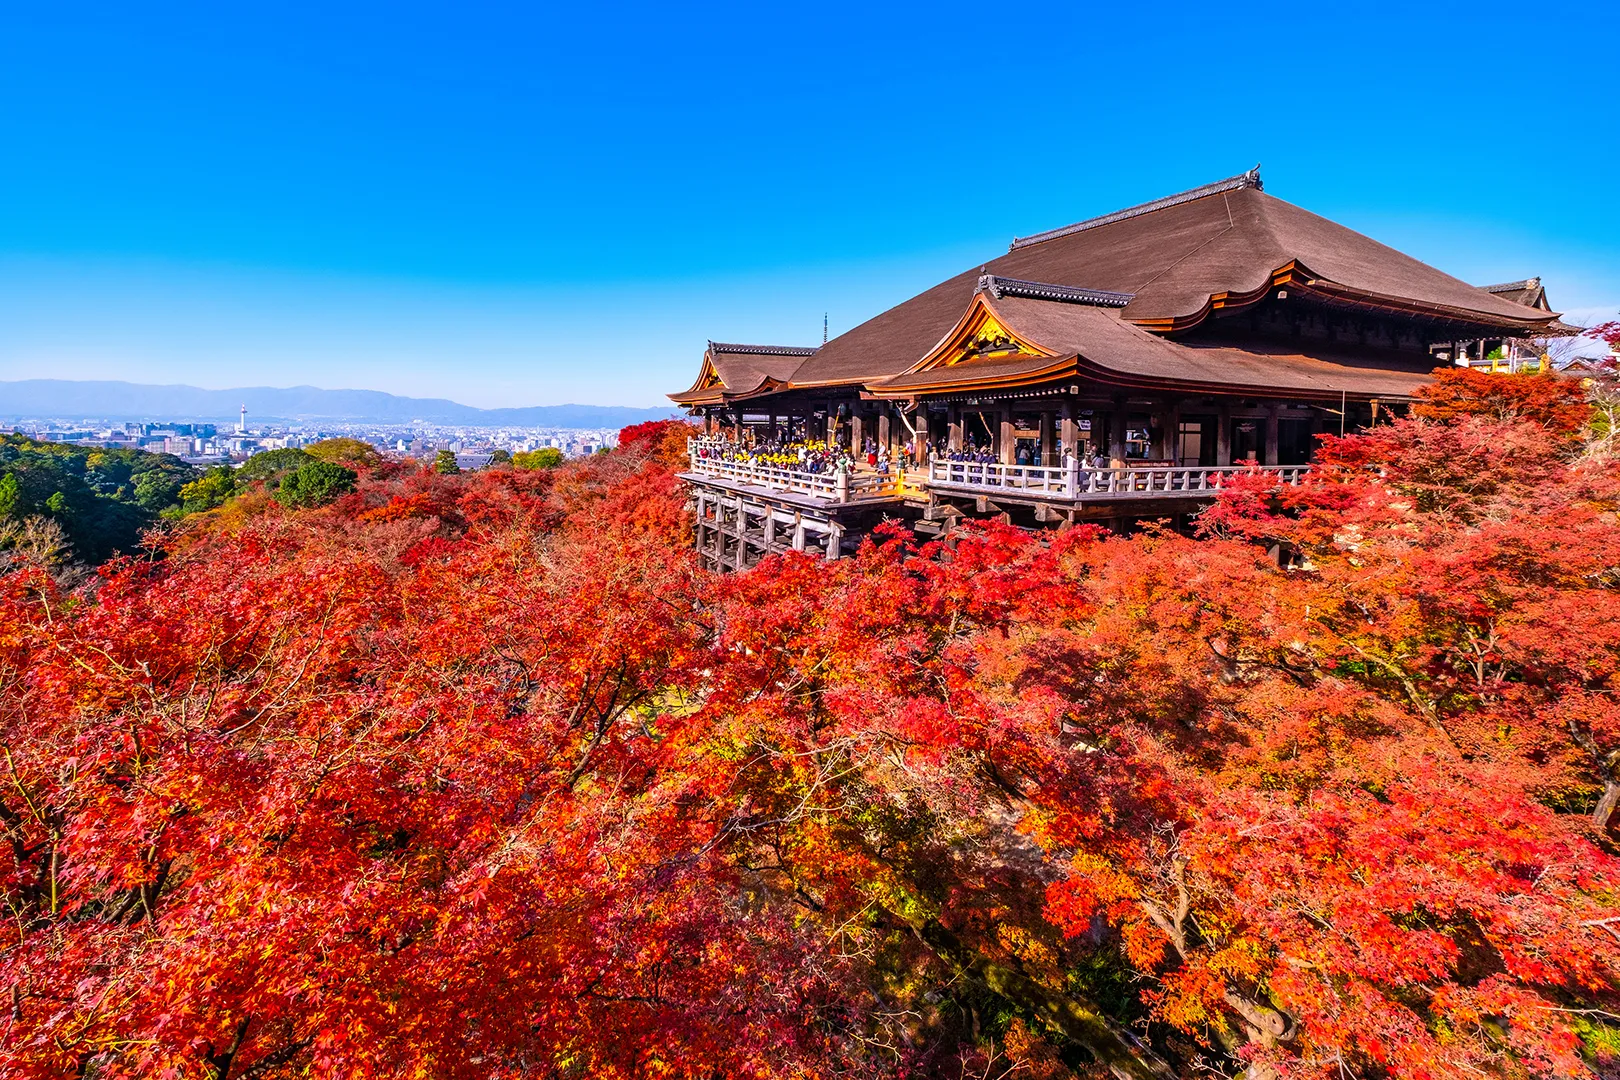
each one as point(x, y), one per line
point(1114, 369)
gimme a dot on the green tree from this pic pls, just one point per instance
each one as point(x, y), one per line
point(315, 484)
point(353, 453)
point(445, 462)
point(272, 465)
point(501, 457)
point(157, 489)
point(102, 498)
point(208, 491)
point(547, 457)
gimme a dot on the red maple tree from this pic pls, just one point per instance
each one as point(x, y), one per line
point(480, 776)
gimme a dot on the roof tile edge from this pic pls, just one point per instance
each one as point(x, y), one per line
point(1232, 183)
point(998, 287)
point(761, 350)
point(1513, 286)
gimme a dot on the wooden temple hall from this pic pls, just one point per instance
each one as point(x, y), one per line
point(1113, 370)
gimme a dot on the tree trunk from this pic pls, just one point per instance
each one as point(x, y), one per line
point(1075, 1019)
point(222, 1062)
point(1606, 805)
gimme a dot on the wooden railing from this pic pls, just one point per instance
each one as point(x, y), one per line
point(1055, 482)
point(1035, 479)
point(1078, 482)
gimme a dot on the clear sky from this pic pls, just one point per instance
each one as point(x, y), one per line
point(532, 204)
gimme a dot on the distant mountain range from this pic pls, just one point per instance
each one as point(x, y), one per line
point(66, 399)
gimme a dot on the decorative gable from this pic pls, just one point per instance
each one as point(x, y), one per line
point(978, 335)
point(708, 377)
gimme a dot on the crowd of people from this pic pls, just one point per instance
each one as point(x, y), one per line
point(1025, 455)
point(820, 457)
point(805, 455)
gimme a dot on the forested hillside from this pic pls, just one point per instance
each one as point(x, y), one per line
point(479, 776)
point(99, 499)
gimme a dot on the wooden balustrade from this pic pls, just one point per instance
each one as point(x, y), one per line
point(1056, 482)
point(1078, 482)
point(1038, 479)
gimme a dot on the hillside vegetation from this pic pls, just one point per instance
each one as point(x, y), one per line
point(478, 775)
point(100, 500)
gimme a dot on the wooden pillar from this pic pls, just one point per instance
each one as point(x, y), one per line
point(1271, 435)
point(1223, 435)
point(955, 438)
point(1172, 433)
point(1068, 432)
point(923, 448)
point(736, 425)
point(1159, 417)
point(885, 431)
point(1005, 441)
point(1047, 457)
point(857, 434)
point(1116, 431)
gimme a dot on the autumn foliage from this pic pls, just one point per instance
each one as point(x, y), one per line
point(478, 775)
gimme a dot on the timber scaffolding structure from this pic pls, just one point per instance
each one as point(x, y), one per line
point(745, 511)
point(1119, 369)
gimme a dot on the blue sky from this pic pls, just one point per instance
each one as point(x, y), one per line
point(525, 204)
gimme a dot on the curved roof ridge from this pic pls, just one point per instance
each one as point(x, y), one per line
point(1250, 179)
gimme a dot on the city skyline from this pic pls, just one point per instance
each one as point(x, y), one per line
point(387, 199)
